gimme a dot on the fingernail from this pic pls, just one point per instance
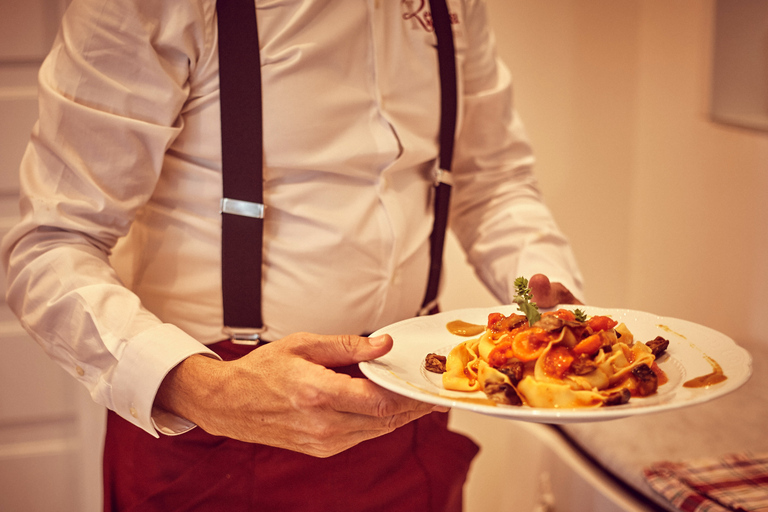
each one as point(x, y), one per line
point(440, 408)
point(378, 341)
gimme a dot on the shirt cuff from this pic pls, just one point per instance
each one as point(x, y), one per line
point(143, 365)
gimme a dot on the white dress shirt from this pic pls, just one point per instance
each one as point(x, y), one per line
point(115, 266)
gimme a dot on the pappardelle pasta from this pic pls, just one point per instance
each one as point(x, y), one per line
point(558, 362)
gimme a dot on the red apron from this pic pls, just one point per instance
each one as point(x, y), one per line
point(419, 467)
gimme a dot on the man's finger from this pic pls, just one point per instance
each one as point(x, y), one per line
point(541, 289)
point(361, 396)
point(562, 295)
point(338, 350)
point(362, 429)
point(546, 294)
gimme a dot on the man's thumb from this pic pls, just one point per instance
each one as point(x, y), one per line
point(344, 350)
point(541, 290)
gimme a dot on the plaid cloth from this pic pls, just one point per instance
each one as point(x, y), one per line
point(737, 482)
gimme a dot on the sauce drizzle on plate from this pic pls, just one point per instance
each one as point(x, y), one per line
point(462, 328)
point(709, 379)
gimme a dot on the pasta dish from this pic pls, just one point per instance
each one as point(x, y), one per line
point(563, 360)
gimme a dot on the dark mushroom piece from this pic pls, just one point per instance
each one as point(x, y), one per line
point(647, 381)
point(619, 397)
point(435, 363)
point(658, 345)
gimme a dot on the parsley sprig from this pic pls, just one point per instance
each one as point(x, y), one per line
point(580, 315)
point(523, 300)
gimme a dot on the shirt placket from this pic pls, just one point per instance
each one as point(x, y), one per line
point(392, 211)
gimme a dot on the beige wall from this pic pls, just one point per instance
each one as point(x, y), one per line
point(666, 210)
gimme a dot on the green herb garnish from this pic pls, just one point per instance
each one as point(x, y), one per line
point(523, 300)
point(580, 315)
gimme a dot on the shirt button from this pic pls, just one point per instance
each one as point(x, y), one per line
point(79, 371)
point(133, 412)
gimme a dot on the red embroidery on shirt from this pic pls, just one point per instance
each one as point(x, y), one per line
point(420, 16)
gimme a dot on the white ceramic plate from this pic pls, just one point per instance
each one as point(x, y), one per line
point(691, 347)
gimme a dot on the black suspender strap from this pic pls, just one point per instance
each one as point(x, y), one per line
point(242, 206)
point(441, 22)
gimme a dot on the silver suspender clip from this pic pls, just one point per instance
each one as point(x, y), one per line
point(237, 335)
point(244, 336)
point(242, 208)
point(442, 176)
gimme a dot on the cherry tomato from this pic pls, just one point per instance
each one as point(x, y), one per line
point(494, 318)
point(601, 323)
point(588, 345)
point(557, 361)
point(499, 325)
point(562, 314)
point(663, 379)
point(501, 354)
point(528, 345)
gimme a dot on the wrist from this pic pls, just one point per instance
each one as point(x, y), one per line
point(189, 386)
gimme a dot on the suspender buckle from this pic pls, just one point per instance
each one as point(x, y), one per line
point(242, 208)
point(244, 336)
point(442, 176)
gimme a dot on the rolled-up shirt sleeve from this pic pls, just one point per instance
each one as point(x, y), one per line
point(498, 213)
point(110, 93)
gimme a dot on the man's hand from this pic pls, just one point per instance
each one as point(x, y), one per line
point(547, 295)
point(284, 395)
